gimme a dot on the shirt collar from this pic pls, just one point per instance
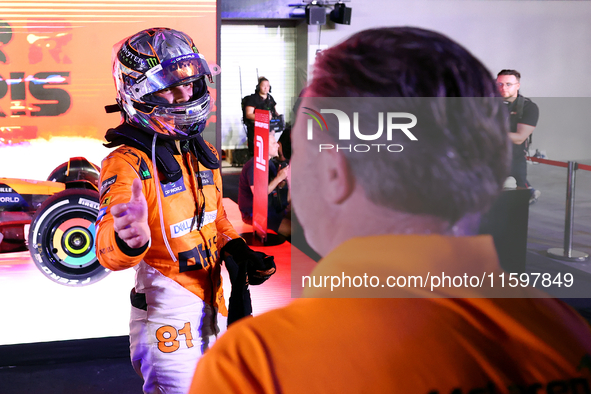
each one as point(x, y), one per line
point(386, 256)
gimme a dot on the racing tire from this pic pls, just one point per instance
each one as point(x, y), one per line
point(62, 238)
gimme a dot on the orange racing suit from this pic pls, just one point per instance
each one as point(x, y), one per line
point(178, 274)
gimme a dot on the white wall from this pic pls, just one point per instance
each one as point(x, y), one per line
point(247, 52)
point(549, 42)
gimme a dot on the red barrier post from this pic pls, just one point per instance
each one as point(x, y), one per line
point(261, 173)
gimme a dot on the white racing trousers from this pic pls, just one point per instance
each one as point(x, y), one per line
point(169, 331)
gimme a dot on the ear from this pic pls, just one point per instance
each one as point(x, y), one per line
point(338, 180)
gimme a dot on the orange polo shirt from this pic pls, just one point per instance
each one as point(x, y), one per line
point(404, 345)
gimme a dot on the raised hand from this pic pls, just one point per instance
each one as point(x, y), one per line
point(282, 173)
point(131, 219)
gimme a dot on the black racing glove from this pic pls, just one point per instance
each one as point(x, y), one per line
point(240, 304)
point(259, 266)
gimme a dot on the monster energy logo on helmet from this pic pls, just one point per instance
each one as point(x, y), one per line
point(152, 62)
point(130, 58)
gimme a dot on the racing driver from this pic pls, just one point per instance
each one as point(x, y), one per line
point(161, 207)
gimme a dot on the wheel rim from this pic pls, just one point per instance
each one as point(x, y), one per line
point(73, 242)
point(70, 243)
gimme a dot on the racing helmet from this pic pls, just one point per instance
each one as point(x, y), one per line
point(157, 59)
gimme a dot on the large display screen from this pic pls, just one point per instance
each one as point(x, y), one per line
point(55, 80)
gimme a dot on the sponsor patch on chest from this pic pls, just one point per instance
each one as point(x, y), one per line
point(108, 182)
point(101, 214)
point(144, 171)
point(173, 187)
point(188, 225)
point(206, 178)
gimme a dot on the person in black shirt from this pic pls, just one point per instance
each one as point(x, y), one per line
point(524, 115)
point(260, 99)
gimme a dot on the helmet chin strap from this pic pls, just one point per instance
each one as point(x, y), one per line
point(113, 108)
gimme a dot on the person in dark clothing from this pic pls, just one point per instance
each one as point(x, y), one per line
point(260, 99)
point(524, 115)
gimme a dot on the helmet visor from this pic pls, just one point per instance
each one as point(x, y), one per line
point(177, 120)
point(181, 69)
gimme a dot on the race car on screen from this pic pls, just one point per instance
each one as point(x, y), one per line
point(55, 220)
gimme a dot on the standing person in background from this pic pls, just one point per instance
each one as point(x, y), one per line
point(260, 99)
point(161, 207)
point(524, 115)
point(388, 218)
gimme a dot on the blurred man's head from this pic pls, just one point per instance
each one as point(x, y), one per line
point(508, 83)
point(273, 145)
point(453, 171)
